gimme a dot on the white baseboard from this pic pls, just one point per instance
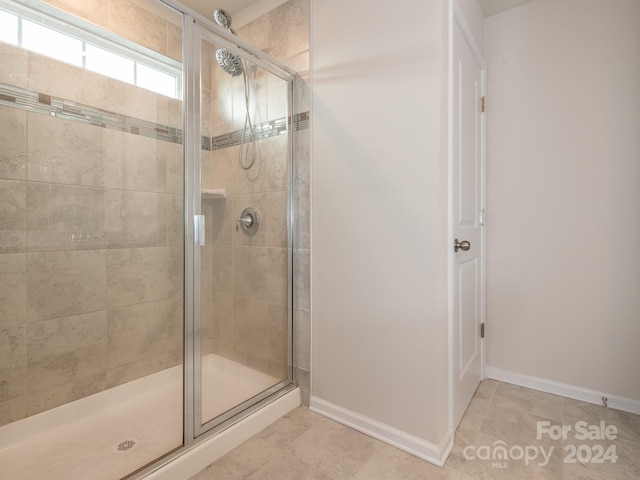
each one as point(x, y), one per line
point(563, 389)
point(416, 446)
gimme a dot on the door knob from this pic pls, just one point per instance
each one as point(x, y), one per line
point(464, 245)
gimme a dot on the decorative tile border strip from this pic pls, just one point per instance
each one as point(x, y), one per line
point(264, 130)
point(57, 107)
point(301, 121)
point(48, 105)
point(261, 131)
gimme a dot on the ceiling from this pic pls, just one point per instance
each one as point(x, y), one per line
point(242, 11)
point(206, 7)
point(493, 7)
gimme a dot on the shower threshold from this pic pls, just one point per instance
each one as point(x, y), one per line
point(109, 435)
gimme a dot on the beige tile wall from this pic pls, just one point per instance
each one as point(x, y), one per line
point(91, 234)
point(108, 214)
point(145, 22)
point(247, 276)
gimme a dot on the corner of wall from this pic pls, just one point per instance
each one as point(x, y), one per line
point(416, 446)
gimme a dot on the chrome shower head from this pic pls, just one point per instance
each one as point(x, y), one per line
point(223, 19)
point(229, 62)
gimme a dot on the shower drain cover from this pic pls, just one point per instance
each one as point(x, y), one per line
point(125, 446)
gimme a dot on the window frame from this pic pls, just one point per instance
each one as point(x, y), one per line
point(76, 28)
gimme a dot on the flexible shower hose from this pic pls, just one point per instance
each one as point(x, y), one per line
point(242, 159)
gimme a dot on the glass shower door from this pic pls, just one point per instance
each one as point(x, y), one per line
point(91, 238)
point(243, 351)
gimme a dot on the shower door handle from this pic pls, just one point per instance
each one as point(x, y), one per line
point(199, 230)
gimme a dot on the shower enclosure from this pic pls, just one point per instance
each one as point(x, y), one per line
point(146, 267)
point(241, 216)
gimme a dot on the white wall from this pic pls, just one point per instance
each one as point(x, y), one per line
point(563, 234)
point(379, 225)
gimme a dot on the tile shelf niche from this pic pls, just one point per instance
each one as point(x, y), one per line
point(213, 193)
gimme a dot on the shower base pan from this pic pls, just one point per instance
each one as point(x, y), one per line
point(109, 435)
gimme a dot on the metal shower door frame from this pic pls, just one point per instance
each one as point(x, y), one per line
point(195, 31)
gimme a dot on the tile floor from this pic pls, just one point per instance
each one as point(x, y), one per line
point(307, 446)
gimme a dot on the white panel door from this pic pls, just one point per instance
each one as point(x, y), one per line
point(466, 211)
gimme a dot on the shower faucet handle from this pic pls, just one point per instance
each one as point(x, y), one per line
point(246, 221)
point(249, 221)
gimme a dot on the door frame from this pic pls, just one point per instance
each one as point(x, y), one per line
point(195, 30)
point(458, 20)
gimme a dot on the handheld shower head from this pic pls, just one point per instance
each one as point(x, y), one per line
point(229, 62)
point(223, 19)
point(234, 66)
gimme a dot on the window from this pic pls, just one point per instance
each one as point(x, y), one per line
point(85, 49)
point(44, 40)
point(111, 64)
point(153, 79)
point(8, 28)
